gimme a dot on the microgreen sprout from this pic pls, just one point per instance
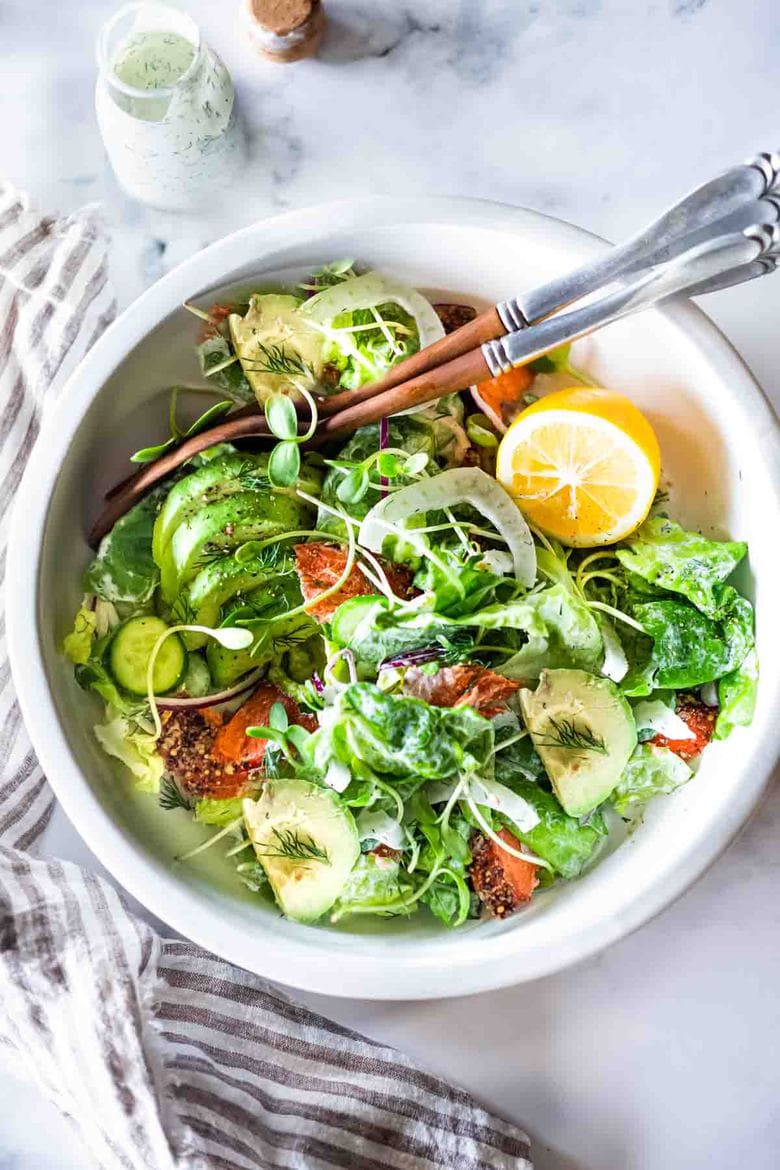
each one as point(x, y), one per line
point(391, 463)
point(177, 434)
point(291, 738)
point(481, 431)
point(284, 464)
point(231, 637)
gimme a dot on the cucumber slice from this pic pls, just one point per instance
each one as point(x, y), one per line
point(307, 842)
point(584, 731)
point(218, 478)
point(224, 525)
point(131, 648)
point(348, 617)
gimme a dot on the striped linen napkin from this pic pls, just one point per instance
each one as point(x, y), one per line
point(163, 1055)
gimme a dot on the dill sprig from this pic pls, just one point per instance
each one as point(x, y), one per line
point(253, 480)
point(567, 733)
point(171, 795)
point(278, 360)
point(271, 556)
point(182, 611)
point(291, 846)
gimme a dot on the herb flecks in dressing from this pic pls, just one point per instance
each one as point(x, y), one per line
point(174, 139)
point(154, 60)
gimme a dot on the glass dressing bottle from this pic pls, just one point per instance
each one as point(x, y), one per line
point(166, 108)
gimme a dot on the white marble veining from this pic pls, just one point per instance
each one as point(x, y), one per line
point(662, 1053)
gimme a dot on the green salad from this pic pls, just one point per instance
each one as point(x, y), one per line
point(372, 681)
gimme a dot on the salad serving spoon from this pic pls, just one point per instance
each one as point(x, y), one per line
point(719, 263)
point(743, 195)
point(699, 246)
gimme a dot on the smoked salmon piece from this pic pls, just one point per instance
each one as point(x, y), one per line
point(234, 746)
point(209, 755)
point(455, 686)
point(501, 881)
point(700, 719)
point(319, 566)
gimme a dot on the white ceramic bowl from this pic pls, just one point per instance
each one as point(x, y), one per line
point(719, 449)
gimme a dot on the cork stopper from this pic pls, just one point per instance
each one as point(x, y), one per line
point(285, 30)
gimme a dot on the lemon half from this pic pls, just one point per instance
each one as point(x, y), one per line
point(582, 464)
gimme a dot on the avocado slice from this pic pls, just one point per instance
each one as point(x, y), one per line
point(219, 478)
point(307, 842)
point(227, 666)
point(222, 525)
point(584, 732)
point(273, 328)
point(274, 637)
point(216, 584)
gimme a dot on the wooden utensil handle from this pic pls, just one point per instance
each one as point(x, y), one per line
point(454, 375)
point(340, 415)
point(131, 490)
point(253, 411)
point(486, 327)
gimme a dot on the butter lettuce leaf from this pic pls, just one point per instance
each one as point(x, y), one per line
point(374, 886)
point(639, 679)
point(650, 770)
point(77, 645)
point(124, 570)
point(121, 738)
point(518, 761)
point(375, 631)
point(93, 676)
point(561, 632)
point(450, 899)
point(690, 648)
point(737, 693)
point(457, 585)
point(669, 558)
point(398, 736)
point(564, 841)
point(217, 812)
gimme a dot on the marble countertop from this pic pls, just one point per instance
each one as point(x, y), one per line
point(661, 1053)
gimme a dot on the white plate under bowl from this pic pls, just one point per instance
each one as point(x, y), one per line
point(719, 450)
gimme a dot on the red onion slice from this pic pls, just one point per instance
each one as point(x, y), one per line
point(384, 443)
point(200, 702)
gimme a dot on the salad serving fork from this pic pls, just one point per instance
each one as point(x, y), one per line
point(724, 233)
point(743, 197)
point(720, 262)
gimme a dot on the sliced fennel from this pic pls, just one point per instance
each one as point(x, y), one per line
point(375, 825)
point(486, 791)
point(368, 291)
point(459, 485)
point(492, 794)
point(615, 664)
point(654, 715)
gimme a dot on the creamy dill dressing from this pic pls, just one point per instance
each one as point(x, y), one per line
point(166, 108)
